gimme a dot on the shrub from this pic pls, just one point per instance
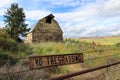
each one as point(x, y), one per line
point(6, 58)
point(117, 45)
point(13, 47)
point(25, 49)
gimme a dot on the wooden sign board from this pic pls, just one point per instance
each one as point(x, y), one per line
point(38, 62)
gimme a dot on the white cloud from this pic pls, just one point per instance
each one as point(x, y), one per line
point(112, 5)
point(36, 14)
point(79, 22)
point(48, 4)
point(87, 21)
point(79, 15)
point(117, 32)
point(83, 29)
point(63, 3)
point(84, 21)
point(2, 12)
point(111, 8)
point(4, 3)
point(1, 24)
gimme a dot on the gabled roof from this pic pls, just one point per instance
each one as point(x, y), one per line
point(51, 16)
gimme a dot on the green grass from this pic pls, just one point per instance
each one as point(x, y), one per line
point(55, 48)
point(73, 46)
point(69, 46)
point(13, 48)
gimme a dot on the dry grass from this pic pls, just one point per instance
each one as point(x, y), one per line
point(103, 40)
point(74, 46)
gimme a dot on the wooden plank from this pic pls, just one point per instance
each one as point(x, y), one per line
point(38, 62)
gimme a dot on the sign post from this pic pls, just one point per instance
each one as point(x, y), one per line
point(38, 62)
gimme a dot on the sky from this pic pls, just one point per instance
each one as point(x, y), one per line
point(77, 18)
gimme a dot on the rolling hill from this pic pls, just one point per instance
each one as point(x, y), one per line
point(108, 40)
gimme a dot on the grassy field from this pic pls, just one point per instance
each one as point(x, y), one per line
point(102, 40)
point(77, 46)
point(108, 46)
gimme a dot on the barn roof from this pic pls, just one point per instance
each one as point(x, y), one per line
point(51, 16)
point(33, 27)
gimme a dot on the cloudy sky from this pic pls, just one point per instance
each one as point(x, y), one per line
point(77, 18)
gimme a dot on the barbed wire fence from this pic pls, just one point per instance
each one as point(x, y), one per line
point(110, 73)
point(20, 71)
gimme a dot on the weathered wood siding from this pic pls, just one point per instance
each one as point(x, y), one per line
point(47, 31)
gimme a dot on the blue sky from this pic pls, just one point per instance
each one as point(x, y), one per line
point(77, 18)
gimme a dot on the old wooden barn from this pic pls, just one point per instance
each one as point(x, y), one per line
point(46, 30)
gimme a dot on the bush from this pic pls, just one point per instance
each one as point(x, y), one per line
point(8, 45)
point(25, 49)
point(117, 45)
point(6, 58)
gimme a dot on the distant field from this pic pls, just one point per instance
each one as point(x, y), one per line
point(102, 40)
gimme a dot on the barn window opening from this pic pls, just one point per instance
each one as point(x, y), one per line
point(49, 18)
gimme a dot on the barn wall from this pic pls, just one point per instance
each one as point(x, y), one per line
point(47, 32)
point(28, 38)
